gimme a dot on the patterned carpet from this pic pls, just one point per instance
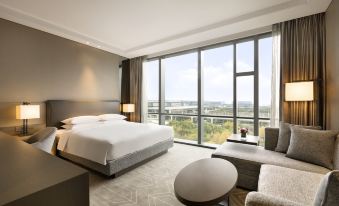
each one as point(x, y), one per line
point(152, 183)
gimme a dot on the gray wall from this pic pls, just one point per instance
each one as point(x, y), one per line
point(332, 64)
point(36, 66)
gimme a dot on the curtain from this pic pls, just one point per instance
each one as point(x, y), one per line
point(131, 86)
point(136, 88)
point(302, 58)
point(125, 82)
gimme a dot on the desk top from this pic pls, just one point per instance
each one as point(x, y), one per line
point(26, 170)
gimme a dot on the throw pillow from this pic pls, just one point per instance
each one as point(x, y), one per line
point(327, 194)
point(313, 146)
point(285, 135)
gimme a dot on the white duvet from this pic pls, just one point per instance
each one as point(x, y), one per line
point(111, 140)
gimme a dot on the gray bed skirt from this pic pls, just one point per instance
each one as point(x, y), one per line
point(118, 166)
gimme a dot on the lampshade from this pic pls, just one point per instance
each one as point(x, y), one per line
point(299, 91)
point(27, 111)
point(128, 108)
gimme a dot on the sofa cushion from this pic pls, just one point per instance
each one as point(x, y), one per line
point(258, 155)
point(328, 192)
point(285, 135)
point(293, 185)
point(312, 146)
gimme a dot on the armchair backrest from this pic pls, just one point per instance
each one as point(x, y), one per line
point(327, 194)
point(44, 139)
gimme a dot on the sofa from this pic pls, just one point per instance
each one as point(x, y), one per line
point(248, 159)
point(279, 179)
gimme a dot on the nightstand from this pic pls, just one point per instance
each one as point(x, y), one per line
point(252, 140)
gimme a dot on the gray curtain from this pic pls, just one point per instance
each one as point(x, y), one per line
point(131, 86)
point(125, 82)
point(136, 87)
point(302, 58)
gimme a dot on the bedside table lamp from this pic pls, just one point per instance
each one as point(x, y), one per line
point(26, 112)
point(128, 108)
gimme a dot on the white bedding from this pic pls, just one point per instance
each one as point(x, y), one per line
point(111, 140)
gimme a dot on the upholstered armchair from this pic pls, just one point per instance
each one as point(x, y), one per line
point(44, 140)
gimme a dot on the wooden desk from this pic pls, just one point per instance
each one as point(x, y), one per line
point(29, 176)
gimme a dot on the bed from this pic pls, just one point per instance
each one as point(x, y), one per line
point(110, 148)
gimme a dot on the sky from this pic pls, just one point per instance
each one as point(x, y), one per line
point(181, 74)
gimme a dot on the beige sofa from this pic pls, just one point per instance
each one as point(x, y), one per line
point(248, 159)
point(279, 180)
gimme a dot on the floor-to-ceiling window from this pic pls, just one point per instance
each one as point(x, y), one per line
point(208, 93)
point(180, 110)
point(217, 93)
point(151, 90)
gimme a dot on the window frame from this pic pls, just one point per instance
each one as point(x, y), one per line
point(200, 117)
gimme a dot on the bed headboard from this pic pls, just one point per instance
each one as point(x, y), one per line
point(58, 110)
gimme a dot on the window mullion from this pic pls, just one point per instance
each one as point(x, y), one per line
point(200, 99)
point(234, 89)
point(256, 88)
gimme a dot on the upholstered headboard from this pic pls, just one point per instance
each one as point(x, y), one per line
point(58, 110)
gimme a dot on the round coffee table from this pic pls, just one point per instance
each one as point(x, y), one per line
point(205, 182)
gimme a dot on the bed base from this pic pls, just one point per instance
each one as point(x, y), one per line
point(123, 164)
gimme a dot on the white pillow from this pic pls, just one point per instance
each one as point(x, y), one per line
point(80, 126)
point(113, 121)
point(105, 117)
point(81, 120)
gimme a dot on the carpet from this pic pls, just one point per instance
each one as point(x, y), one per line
point(151, 184)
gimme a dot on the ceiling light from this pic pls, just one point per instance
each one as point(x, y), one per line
point(87, 43)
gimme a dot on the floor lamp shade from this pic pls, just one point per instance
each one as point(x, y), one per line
point(27, 111)
point(299, 91)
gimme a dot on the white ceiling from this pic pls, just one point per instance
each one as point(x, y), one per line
point(133, 28)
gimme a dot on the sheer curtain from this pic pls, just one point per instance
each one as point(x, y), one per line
point(275, 89)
